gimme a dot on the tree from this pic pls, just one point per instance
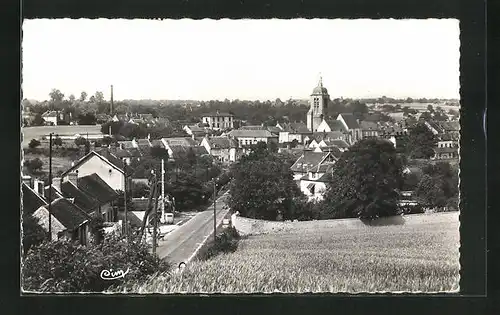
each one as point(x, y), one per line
point(80, 141)
point(56, 96)
point(364, 182)
point(83, 96)
point(430, 108)
point(57, 141)
point(438, 186)
point(34, 165)
point(107, 140)
point(33, 233)
point(38, 120)
point(34, 143)
point(65, 266)
point(99, 97)
point(159, 153)
point(87, 119)
point(72, 98)
point(140, 190)
point(421, 142)
point(262, 186)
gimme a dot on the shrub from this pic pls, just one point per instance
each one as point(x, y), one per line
point(64, 266)
point(34, 143)
point(34, 165)
point(226, 242)
point(411, 209)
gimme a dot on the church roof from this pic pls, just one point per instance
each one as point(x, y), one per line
point(350, 120)
point(335, 125)
point(320, 89)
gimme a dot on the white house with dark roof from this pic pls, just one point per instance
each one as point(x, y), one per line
point(293, 131)
point(51, 117)
point(250, 137)
point(218, 120)
point(111, 171)
point(222, 148)
point(311, 169)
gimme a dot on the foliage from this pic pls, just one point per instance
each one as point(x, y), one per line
point(33, 233)
point(34, 143)
point(57, 141)
point(364, 182)
point(97, 228)
point(120, 201)
point(34, 165)
point(421, 142)
point(262, 185)
point(107, 140)
point(438, 186)
point(159, 153)
point(80, 141)
point(87, 119)
point(64, 266)
point(226, 242)
point(139, 190)
point(187, 190)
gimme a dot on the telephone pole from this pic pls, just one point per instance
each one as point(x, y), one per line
point(156, 219)
point(215, 213)
point(111, 104)
point(162, 189)
point(50, 186)
point(125, 198)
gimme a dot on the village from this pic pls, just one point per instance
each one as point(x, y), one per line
point(92, 184)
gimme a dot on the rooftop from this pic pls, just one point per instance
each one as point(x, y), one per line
point(69, 214)
point(251, 134)
point(82, 200)
point(95, 186)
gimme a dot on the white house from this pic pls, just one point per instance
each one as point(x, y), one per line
point(109, 169)
point(293, 131)
point(222, 148)
point(249, 137)
point(50, 117)
point(218, 120)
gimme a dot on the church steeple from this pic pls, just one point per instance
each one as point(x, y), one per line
point(318, 105)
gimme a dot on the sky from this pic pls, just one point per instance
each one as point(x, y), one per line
point(241, 59)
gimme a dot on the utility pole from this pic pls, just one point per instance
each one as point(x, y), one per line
point(50, 186)
point(215, 213)
point(155, 223)
point(125, 198)
point(162, 189)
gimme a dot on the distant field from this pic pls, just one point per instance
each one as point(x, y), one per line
point(423, 106)
point(59, 164)
point(421, 255)
point(38, 132)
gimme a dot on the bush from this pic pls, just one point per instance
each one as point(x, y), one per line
point(34, 143)
point(226, 242)
point(34, 165)
point(411, 209)
point(64, 266)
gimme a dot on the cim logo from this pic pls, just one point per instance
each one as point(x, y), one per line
point(113, 275)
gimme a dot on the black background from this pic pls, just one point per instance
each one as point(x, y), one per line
point(472, 300)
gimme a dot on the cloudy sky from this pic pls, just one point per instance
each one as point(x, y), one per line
point(241, 59)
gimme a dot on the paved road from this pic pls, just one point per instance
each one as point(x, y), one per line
point(182, 243)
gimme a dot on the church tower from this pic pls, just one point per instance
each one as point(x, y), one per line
point(318, 106)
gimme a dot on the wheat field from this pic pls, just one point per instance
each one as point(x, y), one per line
point(414, 257)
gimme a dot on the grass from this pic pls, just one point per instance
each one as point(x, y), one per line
point(414, 257)
point(59, 164)
point(38, 132)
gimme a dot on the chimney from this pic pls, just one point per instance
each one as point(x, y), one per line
point(111, 104)
point(73, 177)
point(56, 183)
point(27, 180)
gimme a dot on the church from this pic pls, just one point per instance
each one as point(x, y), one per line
point(345, 126)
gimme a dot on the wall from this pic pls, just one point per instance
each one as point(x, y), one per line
point(246, 226)
point(114, 179)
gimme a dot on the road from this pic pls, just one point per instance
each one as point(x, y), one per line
point(181, 244)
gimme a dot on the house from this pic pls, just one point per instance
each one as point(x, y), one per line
point(331, 125)
point(128, 144)
point(293, 131)
point(218, 120)
point(144, 146)
point(75, 220)
point(351, 124)
point(249, 137)
point(223, 149)
point(311, 171)
point(369, 129)
point(104, 164)
point(195, 130)
point(178, 145)
point(51, 117)
point(67, 219)
point(445, 153)
point(93, 185)
point(309, 160)
point(339, 143)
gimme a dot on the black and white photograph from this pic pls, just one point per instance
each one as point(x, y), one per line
point(240, 156)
